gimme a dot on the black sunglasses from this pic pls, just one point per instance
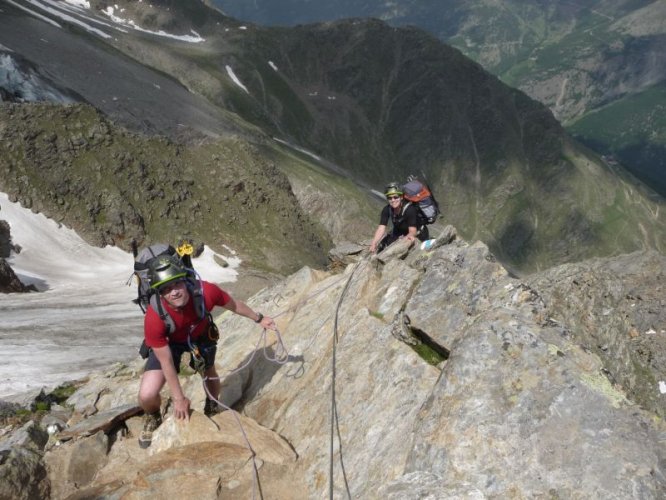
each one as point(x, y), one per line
point(393, 197)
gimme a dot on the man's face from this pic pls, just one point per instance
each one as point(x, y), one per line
point(175, 293)
point(394, 200)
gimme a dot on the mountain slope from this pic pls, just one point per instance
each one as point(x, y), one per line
point(574, 57)
point(383, 103)
point(631, 130)
point(500, 162)
point(114, 187)
point(77, 60)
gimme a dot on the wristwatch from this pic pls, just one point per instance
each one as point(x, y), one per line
point(259, 318)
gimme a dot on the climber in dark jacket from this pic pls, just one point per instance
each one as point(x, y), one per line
point(403, 216)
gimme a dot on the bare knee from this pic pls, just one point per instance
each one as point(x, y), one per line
point(152, 382)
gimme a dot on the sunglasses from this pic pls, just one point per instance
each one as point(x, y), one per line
point(170, 287)
point(393, 197)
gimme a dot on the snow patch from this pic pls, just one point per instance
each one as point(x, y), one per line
point(85, 319)
point(298, 148)
point(111, 13)
point(235, 79)
point(68, 18)
point(79, 3)
point(54, 256)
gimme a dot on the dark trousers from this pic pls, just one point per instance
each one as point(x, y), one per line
point(206, 349)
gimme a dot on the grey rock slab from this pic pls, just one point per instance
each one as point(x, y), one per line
point(616, 308)
point(380, 386)
point(460, 282)
point(520, 411)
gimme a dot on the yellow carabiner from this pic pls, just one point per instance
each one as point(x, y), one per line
point(185, 247)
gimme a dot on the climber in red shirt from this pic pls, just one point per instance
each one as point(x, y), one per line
point(182, 323)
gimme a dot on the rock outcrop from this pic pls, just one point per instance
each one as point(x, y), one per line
point(447, 378)
point(9, 282)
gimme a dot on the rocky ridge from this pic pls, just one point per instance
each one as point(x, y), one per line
point(514, 400)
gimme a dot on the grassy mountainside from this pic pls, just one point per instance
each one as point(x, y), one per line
point(113, 186)
point(575, 57)
point(633, 131)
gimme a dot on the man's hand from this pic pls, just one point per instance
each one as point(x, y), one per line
point(181, 408)
point(267, 323)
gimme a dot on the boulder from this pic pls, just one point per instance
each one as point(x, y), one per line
point(208, 470)
point(30, 436)
point(345, 253)
point(23, 475)
point(9, 282)
point(227, 427)
point(74, 465)
point(5, 239)
point(396, 250)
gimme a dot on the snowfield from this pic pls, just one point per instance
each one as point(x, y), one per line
point(83, 318)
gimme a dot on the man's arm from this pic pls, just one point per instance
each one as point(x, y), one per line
point(241, 308)
point(181, 405)
point(411, 233)
point(379, 234)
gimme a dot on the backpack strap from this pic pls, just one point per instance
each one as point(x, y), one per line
point(156, 304)
point(396, 219)
point(195, 288)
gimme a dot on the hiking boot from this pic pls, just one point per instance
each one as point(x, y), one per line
point(151, 421)
point(212, 408)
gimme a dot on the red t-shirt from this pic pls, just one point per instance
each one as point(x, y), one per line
point(154, 328)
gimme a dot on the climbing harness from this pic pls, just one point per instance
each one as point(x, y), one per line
point(198, 361)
